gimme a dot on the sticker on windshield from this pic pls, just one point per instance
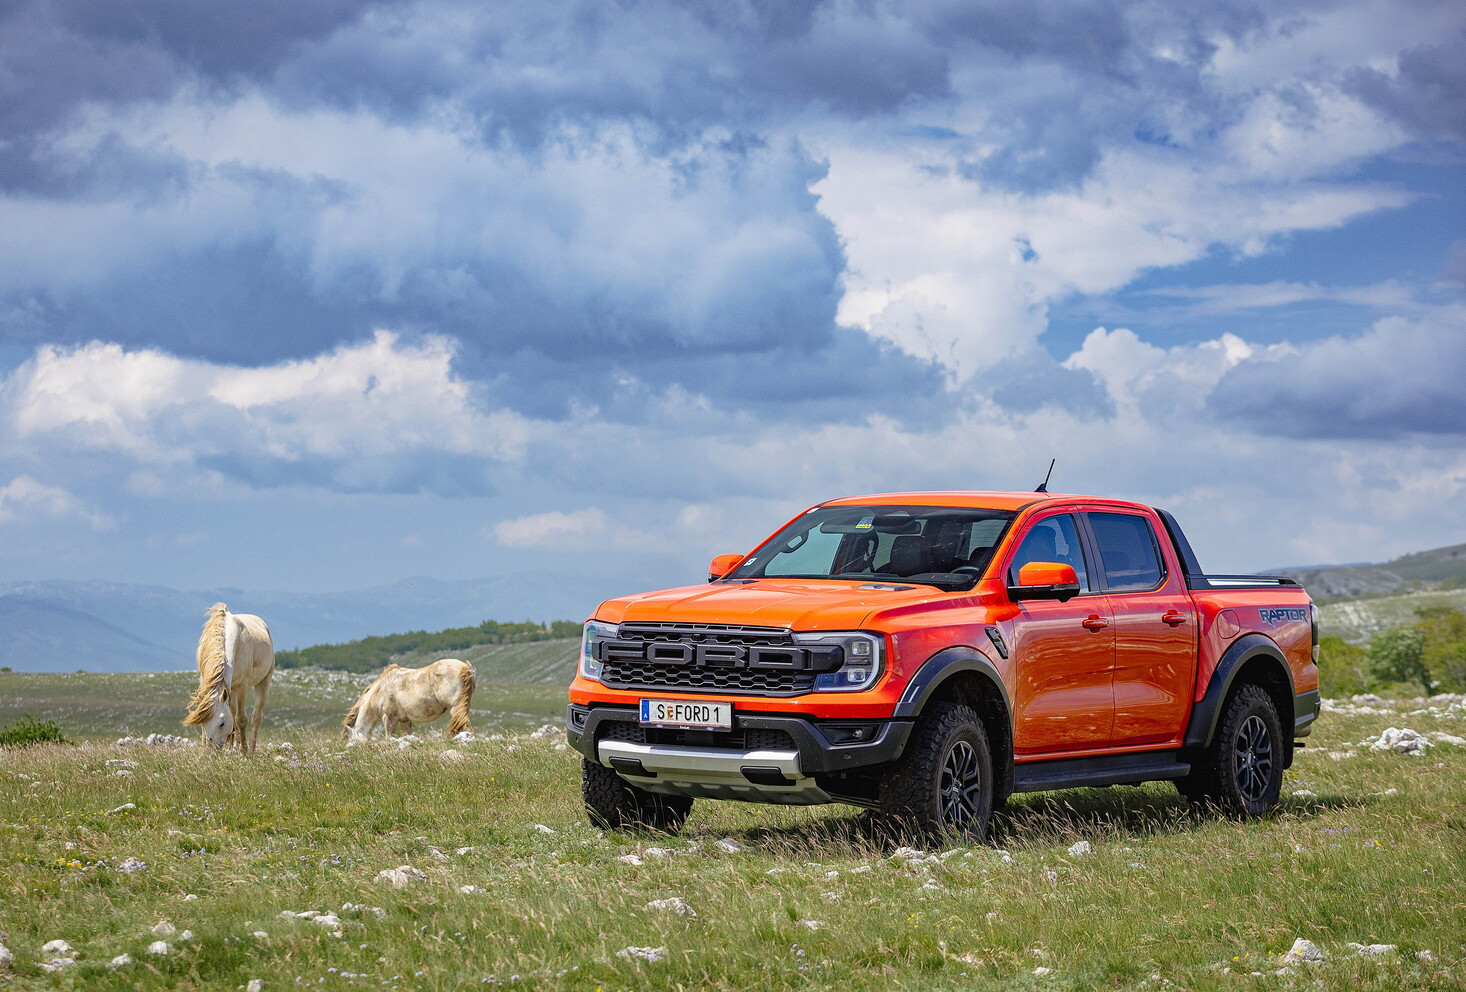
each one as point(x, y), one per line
point(866, 523)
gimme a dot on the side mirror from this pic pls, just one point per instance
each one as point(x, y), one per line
point(1045, 580)
point(722, 565)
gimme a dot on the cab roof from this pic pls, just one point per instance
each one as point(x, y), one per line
point(986, 500)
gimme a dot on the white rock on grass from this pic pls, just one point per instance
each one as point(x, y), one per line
point(451, 755)
point(189, 897)
point(186, 935)
point(812, 924)
point(1080, 849)
point(461, 851)
point(728, 846)
point(164, 929)
point(56, 964)
point(159, 947)
point(255, 985)
point(1372, 950)
point(58, 947)
point(632, 860)
point(652, 954)
point(401, 877)
point(470, 890)
point(1401, 740)
point(672, 904)
point(1303, 950)
point(6, 958)
point(540, 828)
point(120, 961)
point(363, 909)
point(330, 920)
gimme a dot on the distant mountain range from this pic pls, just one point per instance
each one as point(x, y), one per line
point(1421, 569)
point(61, 626)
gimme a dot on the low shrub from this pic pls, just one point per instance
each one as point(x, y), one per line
point(28, 730)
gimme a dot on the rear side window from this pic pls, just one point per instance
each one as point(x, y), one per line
point(1128, 550)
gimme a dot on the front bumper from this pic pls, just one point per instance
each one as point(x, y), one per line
point(793, 762)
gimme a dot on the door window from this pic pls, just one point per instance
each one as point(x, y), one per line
point(1053, 539)
point(1128, 550)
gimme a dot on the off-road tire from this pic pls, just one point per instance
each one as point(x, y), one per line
point(615, 804)
point(1240, 772)
point(942, 785)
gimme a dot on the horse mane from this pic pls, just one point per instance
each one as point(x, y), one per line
point(467, 683)
point(356, 707)
point(211, 667)
point(355, 710)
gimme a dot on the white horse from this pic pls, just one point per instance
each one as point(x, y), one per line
point(235, 654)
point(404, 696)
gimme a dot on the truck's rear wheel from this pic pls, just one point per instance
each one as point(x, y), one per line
point(615, 804)
point(1241, 771)
point(942, 786)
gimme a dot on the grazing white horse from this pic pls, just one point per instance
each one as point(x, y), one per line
point(235, 654)
point(404, 696)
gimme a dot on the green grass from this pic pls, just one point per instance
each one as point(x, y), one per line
point(106, 706)
point(1167, 900)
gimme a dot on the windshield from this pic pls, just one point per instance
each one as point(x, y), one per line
point(945, 546)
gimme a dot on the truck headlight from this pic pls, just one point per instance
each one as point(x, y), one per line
point(595, 632)
point(863, 654)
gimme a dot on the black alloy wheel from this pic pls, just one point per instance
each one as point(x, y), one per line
point(1254, 753)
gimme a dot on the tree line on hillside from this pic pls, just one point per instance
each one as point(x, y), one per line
point(1429, 653)
point(372, 653)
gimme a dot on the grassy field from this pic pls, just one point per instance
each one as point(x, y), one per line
point(531, 663)
point(106, 706)
point(100, 843)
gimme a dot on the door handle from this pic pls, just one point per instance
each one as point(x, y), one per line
point(1094, 622)
point(1174, 617)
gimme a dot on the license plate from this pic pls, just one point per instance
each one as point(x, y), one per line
point(686, 713)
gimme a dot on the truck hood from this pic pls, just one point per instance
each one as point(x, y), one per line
point(796, 604)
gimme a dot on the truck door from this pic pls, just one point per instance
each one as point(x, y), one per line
point(1063, 652)
point(1154, 624)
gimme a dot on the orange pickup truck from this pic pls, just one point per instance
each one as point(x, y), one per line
point(925, 655)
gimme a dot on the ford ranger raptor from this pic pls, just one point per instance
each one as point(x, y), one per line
point(925, 655)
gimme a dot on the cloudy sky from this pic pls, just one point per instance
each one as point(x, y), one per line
point(320, 295)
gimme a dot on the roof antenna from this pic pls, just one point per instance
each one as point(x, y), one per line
point(1043, 486)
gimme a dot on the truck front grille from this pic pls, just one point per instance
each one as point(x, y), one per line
point(701, 657)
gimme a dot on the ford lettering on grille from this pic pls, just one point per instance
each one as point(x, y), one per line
point(759, 660)
point(789, 659)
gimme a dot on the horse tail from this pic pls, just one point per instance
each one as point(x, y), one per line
point(466, 684)
point(211, 666)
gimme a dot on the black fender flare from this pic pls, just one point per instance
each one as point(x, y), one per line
point(939, 668)
point(1205, 714)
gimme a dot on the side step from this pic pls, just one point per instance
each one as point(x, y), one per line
point(1119, 769)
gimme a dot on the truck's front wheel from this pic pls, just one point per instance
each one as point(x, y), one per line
point(1241, 770)
point(942, 786)
point(615, 804)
